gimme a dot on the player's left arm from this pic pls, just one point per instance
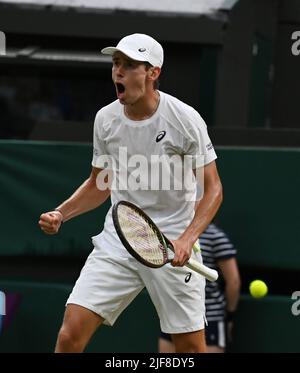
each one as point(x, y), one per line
point(204, 213)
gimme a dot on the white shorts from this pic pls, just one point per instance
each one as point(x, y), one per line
point(108, 284)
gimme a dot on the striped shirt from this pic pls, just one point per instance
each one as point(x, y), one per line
point(215, 246)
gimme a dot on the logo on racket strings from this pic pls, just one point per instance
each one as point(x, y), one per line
point(164, 252)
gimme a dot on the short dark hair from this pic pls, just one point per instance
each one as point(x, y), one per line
point(156, 82)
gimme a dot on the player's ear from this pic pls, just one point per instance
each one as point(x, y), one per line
point(154, 72)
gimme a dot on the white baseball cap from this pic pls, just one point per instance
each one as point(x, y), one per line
point(139, 47)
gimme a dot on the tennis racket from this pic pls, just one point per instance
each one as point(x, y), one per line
point(145, 242)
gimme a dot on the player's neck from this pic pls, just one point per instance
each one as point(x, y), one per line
point(143, 109)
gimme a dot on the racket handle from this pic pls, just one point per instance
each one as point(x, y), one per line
point(210, 274)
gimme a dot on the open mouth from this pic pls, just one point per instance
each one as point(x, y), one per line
point(120, 88)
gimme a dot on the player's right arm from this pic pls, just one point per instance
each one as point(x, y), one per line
point(87, 197)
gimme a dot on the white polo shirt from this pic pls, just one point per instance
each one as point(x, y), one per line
point(150, 159)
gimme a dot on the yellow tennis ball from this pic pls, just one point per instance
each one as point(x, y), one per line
point(258, 289)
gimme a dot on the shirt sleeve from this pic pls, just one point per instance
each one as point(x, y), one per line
point(198, 144)
point(100, 155)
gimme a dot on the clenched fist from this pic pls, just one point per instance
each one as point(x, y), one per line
point(51, 221)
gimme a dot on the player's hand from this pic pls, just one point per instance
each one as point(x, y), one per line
point(50, 222)
point(183, 252)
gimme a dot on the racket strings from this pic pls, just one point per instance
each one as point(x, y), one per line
point(140, 235)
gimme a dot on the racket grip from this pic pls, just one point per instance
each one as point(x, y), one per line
point(210, 274)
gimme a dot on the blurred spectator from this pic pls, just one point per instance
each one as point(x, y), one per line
point(6, 126)
point(222, 296)
point(15, 122)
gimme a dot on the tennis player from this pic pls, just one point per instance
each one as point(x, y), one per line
point(143, 122)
